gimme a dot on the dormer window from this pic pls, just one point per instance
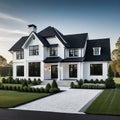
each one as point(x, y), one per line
point(97, 51)
point(53, 51)
point(73, 52)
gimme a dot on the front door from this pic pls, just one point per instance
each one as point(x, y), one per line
point(54, 71)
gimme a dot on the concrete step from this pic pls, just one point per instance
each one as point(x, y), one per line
point(61, 83)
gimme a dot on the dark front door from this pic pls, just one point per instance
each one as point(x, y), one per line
point(54, 71)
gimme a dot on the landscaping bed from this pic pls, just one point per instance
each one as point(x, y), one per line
point(10, 99)
point(106, 103)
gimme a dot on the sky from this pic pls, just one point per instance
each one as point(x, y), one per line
point(98, 18)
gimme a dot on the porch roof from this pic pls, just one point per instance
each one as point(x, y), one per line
point(77, 59)
point(52, 59)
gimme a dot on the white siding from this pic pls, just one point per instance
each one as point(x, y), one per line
point(86, 70)
point(55, 40)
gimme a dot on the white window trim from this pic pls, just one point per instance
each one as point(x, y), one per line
point(99, 50)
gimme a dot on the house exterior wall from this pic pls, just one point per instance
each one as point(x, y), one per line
point(83, 68)
point(86, 71)
point(55, 40)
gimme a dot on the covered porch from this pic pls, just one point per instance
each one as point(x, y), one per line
point(63, 71)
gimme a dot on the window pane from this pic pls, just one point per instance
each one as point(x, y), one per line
point(20, 70)
point(34, 69)
point(73, 52)
point(53, 51)
point(73, 70)
point(34, 50)
point(20, 54)
point(96, 69)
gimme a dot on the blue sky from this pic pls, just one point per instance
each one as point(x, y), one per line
point(99, 18)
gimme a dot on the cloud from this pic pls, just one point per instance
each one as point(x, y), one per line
point(9, 17)
point(13, 31)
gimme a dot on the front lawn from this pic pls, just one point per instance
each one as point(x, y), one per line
point(10, 99)
point(107, 103)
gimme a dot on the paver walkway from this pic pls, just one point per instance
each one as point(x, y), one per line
point(70, 101)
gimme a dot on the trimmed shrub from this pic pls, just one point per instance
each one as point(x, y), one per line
point(25, 89)
point(93, 86)
point(39, 81)
point(47, 88)
point(96, 81)
point(15, 88)
point(17, 81)
point(79, 82)
point(110, 83)
point(29, 81)
point(86, 81)
point(102, 81)
point(42, 90)
point(34, 82)
point(91, 81)
point(72, 85)
point(3, 80)
point(54, 90)
point(54, 84)
point(6, 88)
point(10, 80)
point(37, 90)
point(24, 83)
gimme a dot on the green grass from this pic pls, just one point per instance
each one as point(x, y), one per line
point(107, 103)
point(10, 99)
point(117, 80)
point(7, 84)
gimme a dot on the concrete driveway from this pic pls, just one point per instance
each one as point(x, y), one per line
point(70, 101)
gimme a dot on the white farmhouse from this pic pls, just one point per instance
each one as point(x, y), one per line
point(49, 54)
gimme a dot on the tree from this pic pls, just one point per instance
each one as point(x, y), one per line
point(110, 72)
point(115, 63)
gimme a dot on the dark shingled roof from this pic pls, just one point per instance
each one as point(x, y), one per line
point(52, 59)
point(105, 50)
point(43, 40)
point(18, 45)
point(52, 32)
point(47, 32)
point(78, 59)
point(76, 40)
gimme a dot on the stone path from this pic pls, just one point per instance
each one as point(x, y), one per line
point(70, 101)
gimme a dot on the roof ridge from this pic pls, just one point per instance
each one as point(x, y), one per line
point(76, 34)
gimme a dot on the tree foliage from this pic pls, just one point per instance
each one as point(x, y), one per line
point(115, 63)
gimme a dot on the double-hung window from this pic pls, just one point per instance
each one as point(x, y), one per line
point(34, 50)
point(73, 52)
point(53, 51)
point(19, 54)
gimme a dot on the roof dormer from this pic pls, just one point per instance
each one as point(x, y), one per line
point(96, 50)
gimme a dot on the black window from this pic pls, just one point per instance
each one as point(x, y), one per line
point(20, 54)
point(73, 52)
point(73, 70)
point(34, 69)
point(20, 70)
point(53, 51)
point(96, 69)
point(34, 50)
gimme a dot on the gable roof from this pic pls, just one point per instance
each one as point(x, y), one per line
point(76, 40)
point(105, 50)
point(52, 32)
point(47, 32)
point(18, 45)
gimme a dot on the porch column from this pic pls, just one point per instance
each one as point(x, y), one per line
point(59, 71)
point(81, 70)
point(42, 71)
point(78, 71)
